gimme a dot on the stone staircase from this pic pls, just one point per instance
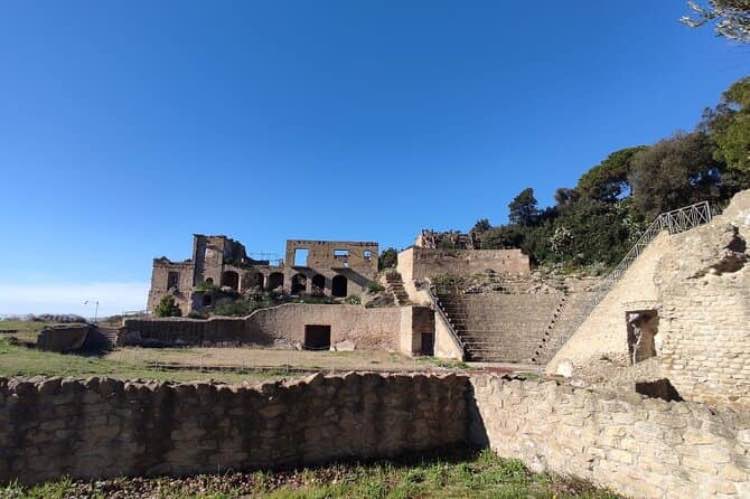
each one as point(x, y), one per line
point(395, 286)
point(497, 327)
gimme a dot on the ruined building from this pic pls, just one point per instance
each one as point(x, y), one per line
point(331, 268)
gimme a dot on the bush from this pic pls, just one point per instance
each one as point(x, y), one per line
point(375, 287)
point(353, 300)
point(167, 308)
point(388, 259)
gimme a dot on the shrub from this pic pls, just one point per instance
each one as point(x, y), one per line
point(353, 300)
point(167, 308)
point(375, 287)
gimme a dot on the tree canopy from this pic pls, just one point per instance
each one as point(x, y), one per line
point(731, 18)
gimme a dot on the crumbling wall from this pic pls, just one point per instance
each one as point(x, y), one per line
point(63, 338)
point(634, 445)
point(160, 281)
point(698, 284)
point(705, 315)
point(419, 263)
point(101, 428)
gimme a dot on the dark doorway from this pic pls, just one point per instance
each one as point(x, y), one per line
point(318, 285)
point(299, 284)
point(231, 279)
point(338, 286)
point(207, 300)
point(428, 344)
point(275, 280)
point(258, 281)
point(317, 337)
point(642, 326)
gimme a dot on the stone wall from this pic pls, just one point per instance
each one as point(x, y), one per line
point(698, 285)
point(419, 263)
point(106, 428)
point(368, 328)
point(63, 338)
point(101, 428)
point(636, 446)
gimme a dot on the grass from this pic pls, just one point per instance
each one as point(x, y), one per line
point(17, 360)
point(458, 475)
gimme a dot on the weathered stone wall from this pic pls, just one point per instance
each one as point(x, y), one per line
point(101, 428)
point(704, 324)
point(159, 283)
point(604, 332)
point(106, 428)
point(63, 338)
point(418, 263)
point(368, 328)
point(637, 446)
point(698, 284)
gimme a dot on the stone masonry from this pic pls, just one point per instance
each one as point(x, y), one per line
point(97, 428)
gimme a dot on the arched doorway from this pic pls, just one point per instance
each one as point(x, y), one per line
point(275, 281)
point(259, 280)
point(299, 284)
point(319, 285)
point(231, 279)
point(338, 286)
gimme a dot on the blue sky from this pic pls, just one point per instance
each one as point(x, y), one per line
point(125, 127)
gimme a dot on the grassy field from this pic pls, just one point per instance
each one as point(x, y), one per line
point(464, 475)
point(230, 365)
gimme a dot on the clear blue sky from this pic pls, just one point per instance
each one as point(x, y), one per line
point(125, 127)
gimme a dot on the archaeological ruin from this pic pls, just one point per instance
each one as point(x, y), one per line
point(644, 373)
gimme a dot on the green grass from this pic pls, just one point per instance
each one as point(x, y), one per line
point(458, 476)
point(17, 360)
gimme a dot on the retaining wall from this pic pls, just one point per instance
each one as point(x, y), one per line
point(368, 328)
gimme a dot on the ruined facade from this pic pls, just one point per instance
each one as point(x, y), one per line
point(331, 268)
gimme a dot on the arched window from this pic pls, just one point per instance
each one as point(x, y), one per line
point(338, 286)
point(299, 284)
point(275, 281)
point(318, 285)
point(230, 278)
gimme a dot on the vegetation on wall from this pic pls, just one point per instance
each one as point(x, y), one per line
point(167, 307)
point(598, 220)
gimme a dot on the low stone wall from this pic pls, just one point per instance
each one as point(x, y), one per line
point(637, 446)
point(106, 428)
point(63, 338)
point(375, 328)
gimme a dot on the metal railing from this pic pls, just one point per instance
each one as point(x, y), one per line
point(674, 222)
point(439, 307)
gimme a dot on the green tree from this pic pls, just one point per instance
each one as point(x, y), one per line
point(482, 225)
point(731, 18)
point(523, 208)
point(167, 307)
point(729, 126)
point(674, 172)
point(608, 181)
point(388, 259)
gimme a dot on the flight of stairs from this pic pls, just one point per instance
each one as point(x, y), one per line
point(395, 286)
